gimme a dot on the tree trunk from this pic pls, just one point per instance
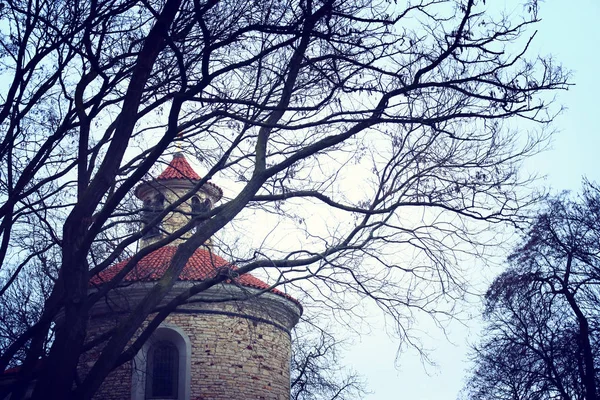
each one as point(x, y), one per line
point(589, 375)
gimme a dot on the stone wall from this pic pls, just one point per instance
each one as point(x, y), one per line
point(118, 384)
point(236, 358)
point(181, 215)
point(232, 357)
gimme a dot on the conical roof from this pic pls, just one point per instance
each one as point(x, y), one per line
point(179, 171)
point(179, 168)
point(202, 265)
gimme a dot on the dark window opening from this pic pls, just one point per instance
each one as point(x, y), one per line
point(200, 207)
point(163, 371)
point(195, 203)
point(153, 206)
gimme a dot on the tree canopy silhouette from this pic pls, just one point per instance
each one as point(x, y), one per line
point(384, 118)
point(541, 339)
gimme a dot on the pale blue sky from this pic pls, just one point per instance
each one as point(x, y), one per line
point(572, 34)
point(570, 31)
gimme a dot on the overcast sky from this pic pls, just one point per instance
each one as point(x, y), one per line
point(570, 31)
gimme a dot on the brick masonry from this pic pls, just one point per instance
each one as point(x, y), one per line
point(232, 357)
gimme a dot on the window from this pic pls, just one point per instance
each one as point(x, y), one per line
point(153, 206)
point(195, 204)
point(200, 207)
point(162, 371)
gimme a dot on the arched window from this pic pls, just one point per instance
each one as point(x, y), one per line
point(153, 206)
point(195, 204)
point(200, 207)
point(162, 371)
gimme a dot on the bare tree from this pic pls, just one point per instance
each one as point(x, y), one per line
point(289, 100)
point(316, 369)
point(542, 335)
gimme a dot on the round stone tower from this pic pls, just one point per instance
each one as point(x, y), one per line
point(229, 342)
point(177, 180)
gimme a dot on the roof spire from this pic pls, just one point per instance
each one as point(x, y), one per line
point(179, 168)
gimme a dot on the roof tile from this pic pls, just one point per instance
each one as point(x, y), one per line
point(179, 168)
point(201, 265)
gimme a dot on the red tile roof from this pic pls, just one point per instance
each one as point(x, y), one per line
point(201, 265)
point(14, 370)
point(179, 168)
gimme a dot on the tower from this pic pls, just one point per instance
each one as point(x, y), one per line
point(231, 341)
point(176, 181)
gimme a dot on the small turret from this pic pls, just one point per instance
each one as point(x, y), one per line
point(177, 180)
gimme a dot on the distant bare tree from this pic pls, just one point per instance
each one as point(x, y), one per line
point(386, 118)
point(543, 314)
point(316, 370)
